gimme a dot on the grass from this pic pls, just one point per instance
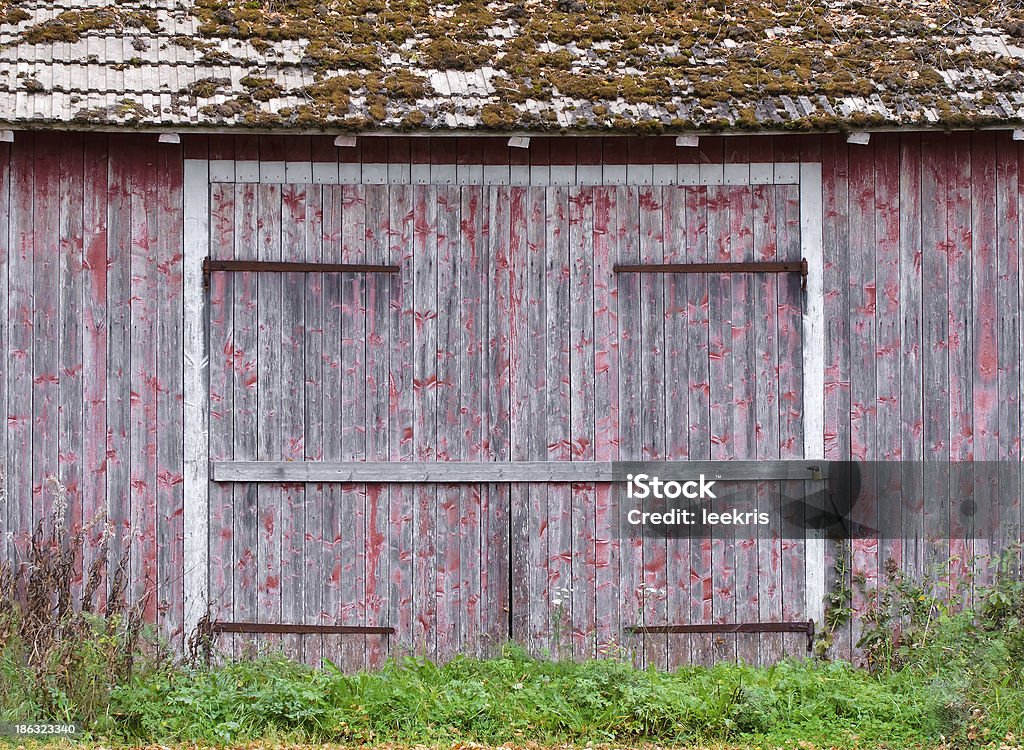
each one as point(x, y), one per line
point(939, 677)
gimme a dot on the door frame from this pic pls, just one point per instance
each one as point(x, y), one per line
point(201, 174)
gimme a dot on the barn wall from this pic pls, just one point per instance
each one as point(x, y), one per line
point(922, 303)
point(90, 287)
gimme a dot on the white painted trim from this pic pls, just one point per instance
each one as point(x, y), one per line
point(196, 382)
point(812, 249)
point(373, 173)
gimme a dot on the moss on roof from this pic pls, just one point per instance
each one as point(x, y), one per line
point(593, 65)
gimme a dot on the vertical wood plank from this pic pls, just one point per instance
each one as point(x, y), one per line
point(911, 344)
point(470, 285)
point(984, 357)
point(119, 336)
point(314, 425)
point(379, 538)
point(519, 363)
point(698, 374)
point(960, 347)
point(222, 409)
point(581, 359)
point(888, 415)
point(606, 410)
point(170, 395)
point(836, 238)
point(935, 326)
point(269, 419)
point(723, 377)
point(7, 523)
point(143, 375)
point(677, 422)
point(495, 614)
point(424, 374)
point(652, 399)
point(94, 351)
point(400, 387)
point(862, 362)
point(349, 536)
point(246, 363)
point(766, 414)
point(557, 290)
point(1007, 527)
point(535, 356)
point(45, 324)
point(449, 359)
point(70, 355)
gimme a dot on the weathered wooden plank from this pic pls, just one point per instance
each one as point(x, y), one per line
point(449, 359)
point(8, 519)
point(314, 425)
point(960, 348)
point(519, 362)
point(862, 362)
point(557, 280)
point(291, 518)
point(349, 536)
point(378, 529)
point(582, 413)
point(935, 365)
point(245, 364)
point(984, 312)
point(536, 352)
point(471, 350)
point(677, 423)
point(269, 417)
point(94, 332)
point(170, 395)
point(119, 337)
point(45, 326)
point(722, 383)
point(1008, 526)
point(196, 448)
point(606, 408)
point(69, 309)
point(333, 289)
point(744, 314)
point(766, 416)
point(698, 404)
point(406, 472)
point(652, 407)
point(222, 410)
point(424, 374)
point(910, 355)
point(495, 500)
point(632, 586)
point(400, 386)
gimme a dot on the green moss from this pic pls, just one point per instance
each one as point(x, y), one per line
point(204, 88)
point(447, 54)
point(405, 85)
point(261, 89)
point(729, 83)
point(70, 25)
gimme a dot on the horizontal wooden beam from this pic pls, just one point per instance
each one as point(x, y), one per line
point(455, 472)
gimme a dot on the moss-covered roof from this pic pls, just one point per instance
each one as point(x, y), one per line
point(525, 65)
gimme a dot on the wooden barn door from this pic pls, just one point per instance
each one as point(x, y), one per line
point(311, 367)
point(710, 368)
point(651, 366)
